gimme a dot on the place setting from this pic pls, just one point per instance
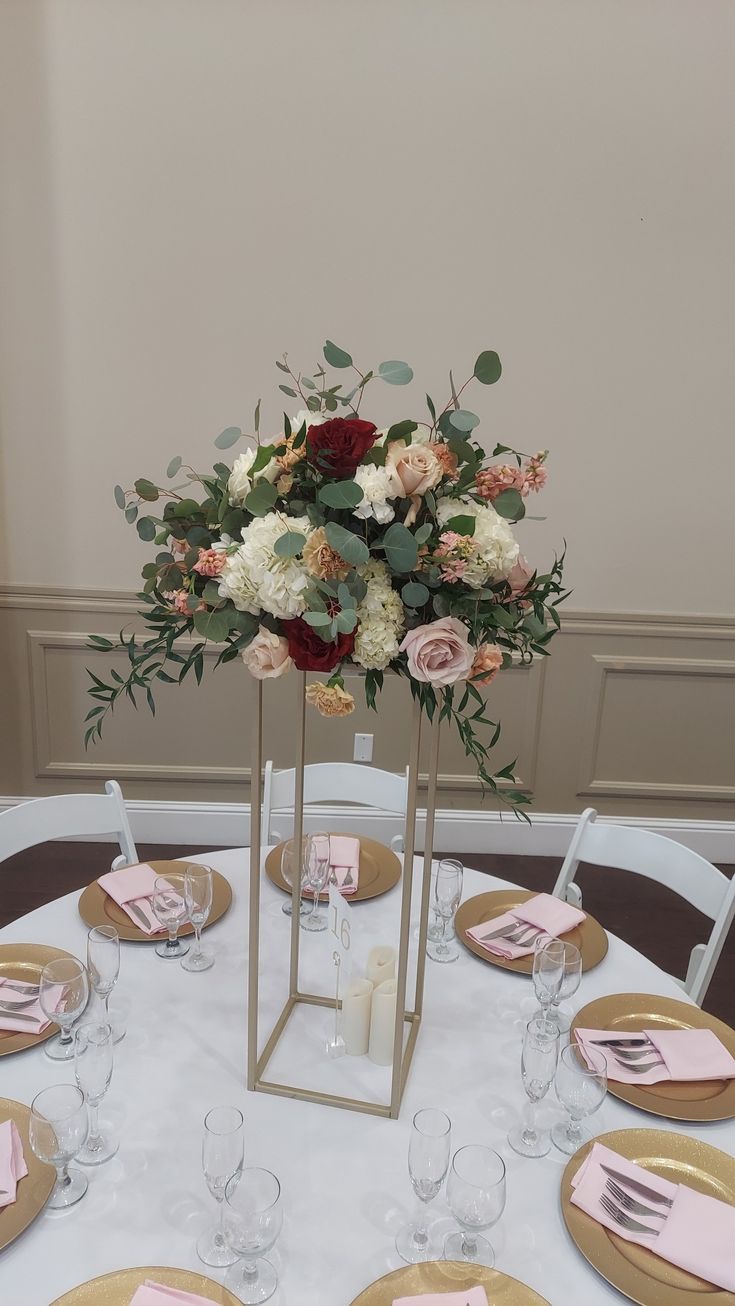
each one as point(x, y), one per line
point(361, 868)
point(149, 899)
point(502, 928)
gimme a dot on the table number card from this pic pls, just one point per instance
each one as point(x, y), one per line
point(340, 930)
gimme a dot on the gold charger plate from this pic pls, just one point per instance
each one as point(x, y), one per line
point(448, 1276)
point(635, 1271)
point(117, 1288)
point(696, 1100)
point(34, 1190)
point(380, 870)
point(97, 907)
point(589, 937)
point(24, 962)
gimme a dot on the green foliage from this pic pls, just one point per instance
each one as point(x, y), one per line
point(173, 467)
point(488, 368)
point(510, 505)
point(401, 549)
point(395, 373)
point(228, 437)
point(146, 528)
point(290, 544)
point(462, 420)
point(335, 356)
point(340, 494)
point(119, 496)
point(401, 431)
point(261, 499)
point(414, 594)
point(347, 544)
point(463, 524)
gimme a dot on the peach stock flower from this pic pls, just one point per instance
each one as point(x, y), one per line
point(535, 474)
point(454, 550)
point(439, 653)
point(179, 600)
point(494, 480)
point(267, 656)
point(210, 562)
point(487, 663)
point(330, 700)
point(321, 559)
point(445, 457)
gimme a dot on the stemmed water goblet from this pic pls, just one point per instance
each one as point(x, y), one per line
point(571, 975)
point(103, 967)
point(223, 1149)
point(169, 907)
point(429, 1150)
point(253, 1219)
point(538, 1065)
point(293, 863)
point(198, 895)
point(581, 1085)
point(446, 892)
point(476, 1196)
point(57, 1131)
point(63, 994)
point(316, 875)
point(93, 1070)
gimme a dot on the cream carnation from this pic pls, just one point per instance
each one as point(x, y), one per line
point(256, 579)
point(241, 481)
point(380, 620)
point(495, 548)
point(378, 484)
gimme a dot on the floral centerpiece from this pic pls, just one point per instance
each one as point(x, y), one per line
point(334, 545)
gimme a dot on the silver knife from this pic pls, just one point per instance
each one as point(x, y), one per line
point(19, 1015)
point(637, 1040)
point(139, 914)
point(642, 1189)
point(510, 929)
point(16, 984)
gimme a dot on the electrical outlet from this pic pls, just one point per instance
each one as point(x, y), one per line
point(363, 748)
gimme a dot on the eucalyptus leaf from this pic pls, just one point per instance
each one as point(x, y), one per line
point(317, 619)
point(346, 620)
point(400, 431)
point(510, 505)
point(313, 403)
point(307, 383)
point(401, 549)
point(488, 368)
point(335, 356)
point(344, 597)
point(212, 595)
point(173, 466)
point(228, 437)
point(341, 494)
point(441, 605)
point(395, 372)
point(131, 512)
point(146, 529)
point(261, 499)
point(348, 545)
point(146, 489)
point(198, 537)
point(463, 524)
point(290, 544)
point(119, 496)
point(256, 417)
point(287, 390)
point(414, 594)
point(422, 534)
point(214, 626)
point(187, 508)
point(463, 420)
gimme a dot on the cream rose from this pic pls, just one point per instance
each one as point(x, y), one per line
point(416, 466)
point(267, 656)
point(440, 652)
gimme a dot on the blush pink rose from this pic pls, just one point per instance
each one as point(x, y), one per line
point(267, 656)
point(417, 468)
point(439, 653)
point(519, 577)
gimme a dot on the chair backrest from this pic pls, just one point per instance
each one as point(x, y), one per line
point(334, 782)
point(65, 815)
point(627, 848)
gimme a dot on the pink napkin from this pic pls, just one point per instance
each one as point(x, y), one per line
point(550, 915)
point(12, 1164)
point(697, 1234)
point(689, 1054)
point(344, 861)
point(159, 1294)
point(133, 884)
point(468, 1297)
point(9, 1022)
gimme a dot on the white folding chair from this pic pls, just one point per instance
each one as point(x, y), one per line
point(335, 781)
point(626, 848)
point(65, 815)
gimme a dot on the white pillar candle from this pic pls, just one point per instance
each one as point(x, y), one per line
point(381, 965)
point(356, 1005)
point(383, 1023)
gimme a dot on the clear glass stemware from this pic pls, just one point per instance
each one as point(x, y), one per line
point(538, 1065)
point(168, 902)
point(57, 1131)
point(253, 1219)
point(316, 874)
point(293, 865)
point(581, 1085)
point(93, 1069)
point(198, 891)
point(63, 994)
point(429, 1150)
point(446, 893)
point(223, 1150)
point(571, 975)
point(476, 1196)
point(103, 966)
point(548, 970)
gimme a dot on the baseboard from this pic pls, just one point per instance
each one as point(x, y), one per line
point(459, 831)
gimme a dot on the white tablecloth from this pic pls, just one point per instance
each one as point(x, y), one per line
point(344, 1175)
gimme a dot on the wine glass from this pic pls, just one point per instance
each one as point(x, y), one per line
point(57, 1130)
point(446, 892)
point(63, 994)
point(538, 1065)
point(316, 874)
point(223, 1149)
point(253, 1219)
point(169, 906)
point(571, 976)
point(293, 863)
point(198, 894)
point(548, 970)
point(103, 968)
point(581, 1085)
point(476, 1196)
point(93, 1070)
point(428, 1162)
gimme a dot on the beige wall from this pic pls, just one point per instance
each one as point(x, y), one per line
point(191, 186)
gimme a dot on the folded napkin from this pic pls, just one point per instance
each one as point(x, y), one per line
point(159, 1294)
point(550, 915)
point(134, 884)
point(468, 1297)
point(12, 1164)
point(23, 1026)
point(689, 1054)
point(698, 1233)
point(344, 861)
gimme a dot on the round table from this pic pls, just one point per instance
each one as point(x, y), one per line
point(344, 1174)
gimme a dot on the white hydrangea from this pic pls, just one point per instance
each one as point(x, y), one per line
point(380, 619)
point(241, 482)
point(378, 485)
point(257, 579)
point(496, 548)
point(303, 415)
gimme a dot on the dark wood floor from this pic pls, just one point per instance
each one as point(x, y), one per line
point(646, 915)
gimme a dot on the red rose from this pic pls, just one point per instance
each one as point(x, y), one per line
point(312, 653)
point(338, 447)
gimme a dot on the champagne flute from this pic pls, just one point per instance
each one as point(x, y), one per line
point(538, 1065)
point(293, 863)
point(63, 994)
point(57, 1130)
point(168, 902)
point(316, 867)
point(253, 1220)
point(581, 1085)
point(548, 970)
point(476, 1196)
point(446, 892)
point(428, 1162)
point(103, 968)
point(223, 1149)
point(570, 980)
point(93, 1070)
point(198, 894)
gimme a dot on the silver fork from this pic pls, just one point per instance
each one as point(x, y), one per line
point(517, 934)
point(20, 985)
point(20, 1005)
point(625, 1221)
point(630, 1204)
point(634, 1054)
point(636, 1068)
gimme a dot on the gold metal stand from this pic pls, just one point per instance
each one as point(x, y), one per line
point(402, 1056)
